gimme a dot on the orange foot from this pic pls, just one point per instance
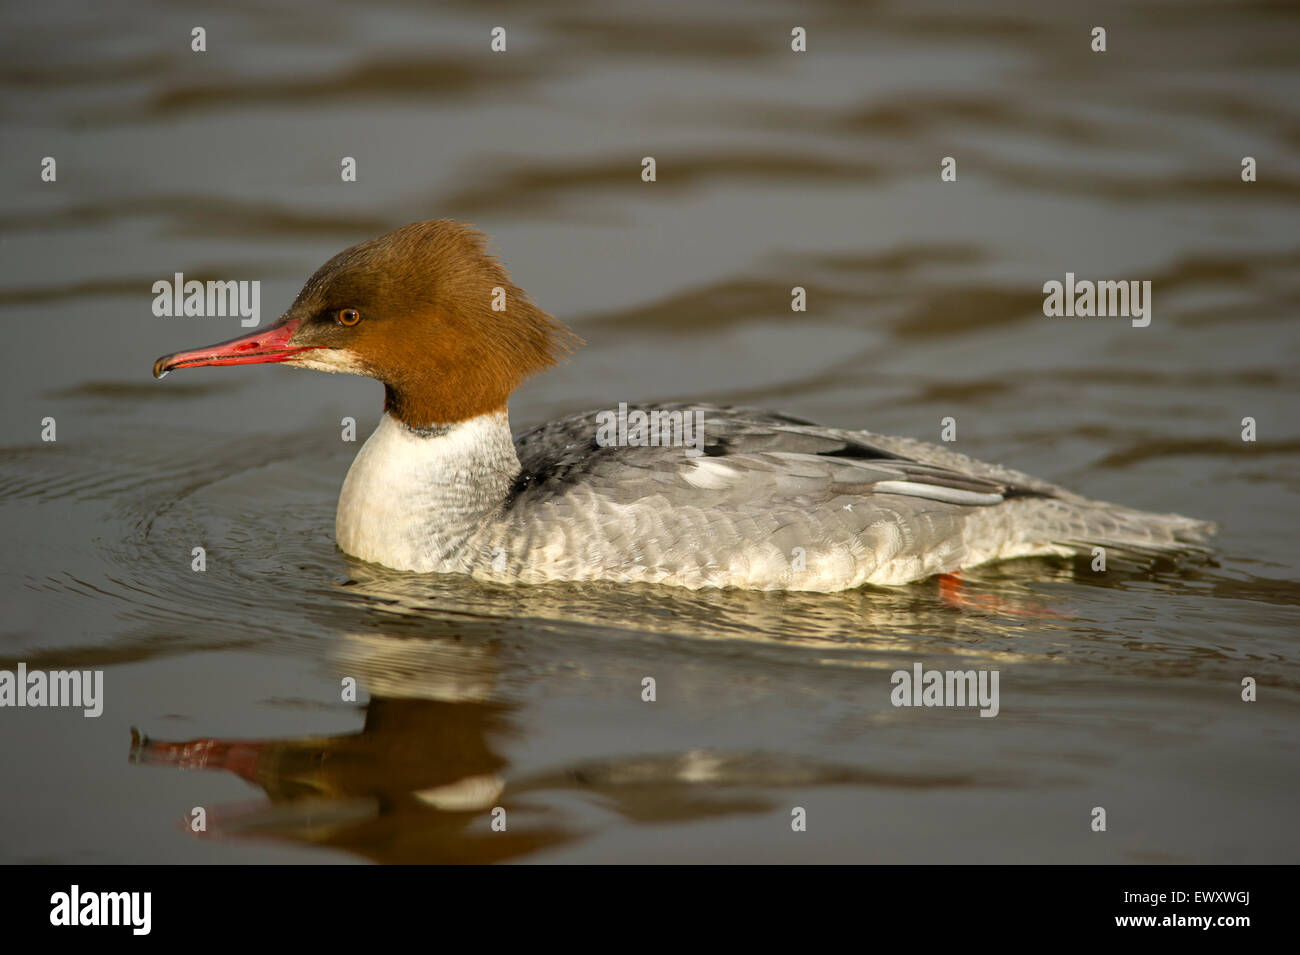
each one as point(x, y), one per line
point(952, 592)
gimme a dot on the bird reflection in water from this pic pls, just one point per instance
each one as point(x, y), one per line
point(419, 782)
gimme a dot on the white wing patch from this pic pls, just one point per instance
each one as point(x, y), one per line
point(934, 492)
point(710, 474)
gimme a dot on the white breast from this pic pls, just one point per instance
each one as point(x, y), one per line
point(413, 502)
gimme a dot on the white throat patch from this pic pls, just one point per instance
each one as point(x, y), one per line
point(413, 501)
point(335, 360)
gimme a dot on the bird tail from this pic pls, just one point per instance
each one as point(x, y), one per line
point(1078, 527)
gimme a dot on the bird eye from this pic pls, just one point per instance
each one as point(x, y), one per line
point(349, 316)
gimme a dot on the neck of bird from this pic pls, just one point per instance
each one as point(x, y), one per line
point(419, 498)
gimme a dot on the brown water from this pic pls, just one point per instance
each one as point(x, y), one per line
point(775, 169)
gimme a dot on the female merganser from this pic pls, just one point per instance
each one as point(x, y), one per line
point(762, 501)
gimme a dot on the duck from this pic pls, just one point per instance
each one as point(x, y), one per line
point(685, 494)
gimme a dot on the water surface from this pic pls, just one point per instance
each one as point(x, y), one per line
point(1120, 690)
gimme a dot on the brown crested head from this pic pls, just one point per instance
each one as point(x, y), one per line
point(431, 313)
point(426, 309)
